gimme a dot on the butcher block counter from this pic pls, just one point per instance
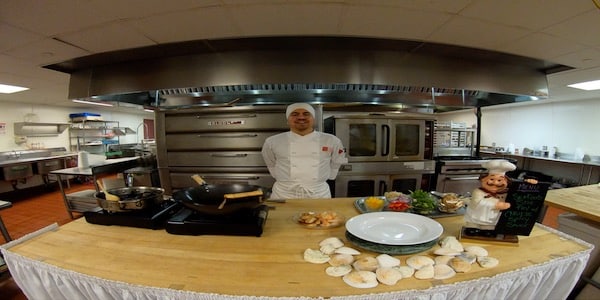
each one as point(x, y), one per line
point(85, 261)
point(581, 200)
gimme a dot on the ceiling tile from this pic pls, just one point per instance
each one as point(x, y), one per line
point(583, 29)
point(13, 37)
point(46, 52)
point(114, 36)
point(476, 33)
point(49, 17)
point(136, 9)
point(194, 24)
point(290, 19)
point(533, 15)
point(453, 6)
point(540, 45)
point(582, 59)
point(380, 21)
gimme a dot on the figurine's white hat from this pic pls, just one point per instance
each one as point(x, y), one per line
point(293, 107)
point(498, 166)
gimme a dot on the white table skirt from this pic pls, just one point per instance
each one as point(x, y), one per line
point(551, 280)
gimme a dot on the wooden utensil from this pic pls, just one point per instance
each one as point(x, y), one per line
point(198, 179)
point(107, 196)
point(239, 195)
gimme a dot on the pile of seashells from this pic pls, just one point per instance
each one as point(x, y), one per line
point(368, 271)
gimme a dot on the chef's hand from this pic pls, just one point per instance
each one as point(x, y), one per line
point(531, 181)
point(502, 205)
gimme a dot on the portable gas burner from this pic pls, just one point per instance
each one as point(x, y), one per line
point(154, 218)
point(244, 222)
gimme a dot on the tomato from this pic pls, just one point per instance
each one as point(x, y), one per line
point(398, 205)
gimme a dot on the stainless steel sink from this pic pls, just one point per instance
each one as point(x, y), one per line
point(44, 167)
point(17, 171)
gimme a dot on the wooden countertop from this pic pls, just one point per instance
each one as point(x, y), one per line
point(270, 265)
point(581, 200)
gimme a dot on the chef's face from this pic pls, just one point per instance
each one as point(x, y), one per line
point(301, 121)
point(494, 183)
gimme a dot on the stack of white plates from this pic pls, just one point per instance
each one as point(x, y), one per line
point(393, 233)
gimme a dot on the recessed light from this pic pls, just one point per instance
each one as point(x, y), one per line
point(588, 85)
point(9, 89)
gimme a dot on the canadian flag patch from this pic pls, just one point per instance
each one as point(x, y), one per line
point(325, 149)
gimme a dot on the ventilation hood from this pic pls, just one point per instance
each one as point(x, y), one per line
point(333, 71)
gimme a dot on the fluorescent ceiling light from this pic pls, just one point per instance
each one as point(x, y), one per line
point(9, 89)
point(588, 85)
point(93, 103)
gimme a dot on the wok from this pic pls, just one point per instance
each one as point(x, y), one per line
point(209, 198)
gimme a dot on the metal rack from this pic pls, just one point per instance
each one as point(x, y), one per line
point(94, 136)
point(453, 139)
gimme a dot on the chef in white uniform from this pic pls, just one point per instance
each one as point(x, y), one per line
point(302, 159)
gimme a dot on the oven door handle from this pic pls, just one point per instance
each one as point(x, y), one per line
point(462, 178)
point(382, 187)
point(385, 141)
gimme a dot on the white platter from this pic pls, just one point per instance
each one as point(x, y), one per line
point(394, 228)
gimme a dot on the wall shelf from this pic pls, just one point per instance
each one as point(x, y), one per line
point(39, 129)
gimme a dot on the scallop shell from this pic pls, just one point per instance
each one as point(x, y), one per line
point(347, 250)
point(443, 272)
point(315, 256)
point(367, 263)
point(334, 241)
point(406, 271)
point(443, 259)
point(341, 259)
point(426, 272)
point(419, 261)
point(446, 251)
point(338, 271)
point(327, 249)
point(387, 261)
point(487, 262)
point(459, 265)
point(361, 279)
point(388, 276)
point(476, 250)
point(468, 257)
point(452, 243)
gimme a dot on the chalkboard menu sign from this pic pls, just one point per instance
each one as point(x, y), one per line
point(526, 202)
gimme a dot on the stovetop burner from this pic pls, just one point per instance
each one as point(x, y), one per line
point(248, 222)
point(152, 219)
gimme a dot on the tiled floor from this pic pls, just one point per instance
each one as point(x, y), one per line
point(28, 215)
point(40, 210)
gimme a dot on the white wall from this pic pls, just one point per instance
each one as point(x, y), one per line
point(16, 112)
point(566, 125)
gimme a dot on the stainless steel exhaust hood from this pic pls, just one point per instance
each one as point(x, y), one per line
point(334, 71)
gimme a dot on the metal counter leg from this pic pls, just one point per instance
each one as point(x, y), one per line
point(4, 231)
point(67, 205)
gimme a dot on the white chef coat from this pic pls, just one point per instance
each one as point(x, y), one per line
point(301, 165)
point(481, 210)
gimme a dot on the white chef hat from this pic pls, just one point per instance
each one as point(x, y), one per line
point(293, 107)
point(498, 166)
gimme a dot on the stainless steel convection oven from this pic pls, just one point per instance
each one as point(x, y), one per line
point(385, 153)
point(221, 144)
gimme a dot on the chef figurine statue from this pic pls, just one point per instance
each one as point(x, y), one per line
point(487, 202)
